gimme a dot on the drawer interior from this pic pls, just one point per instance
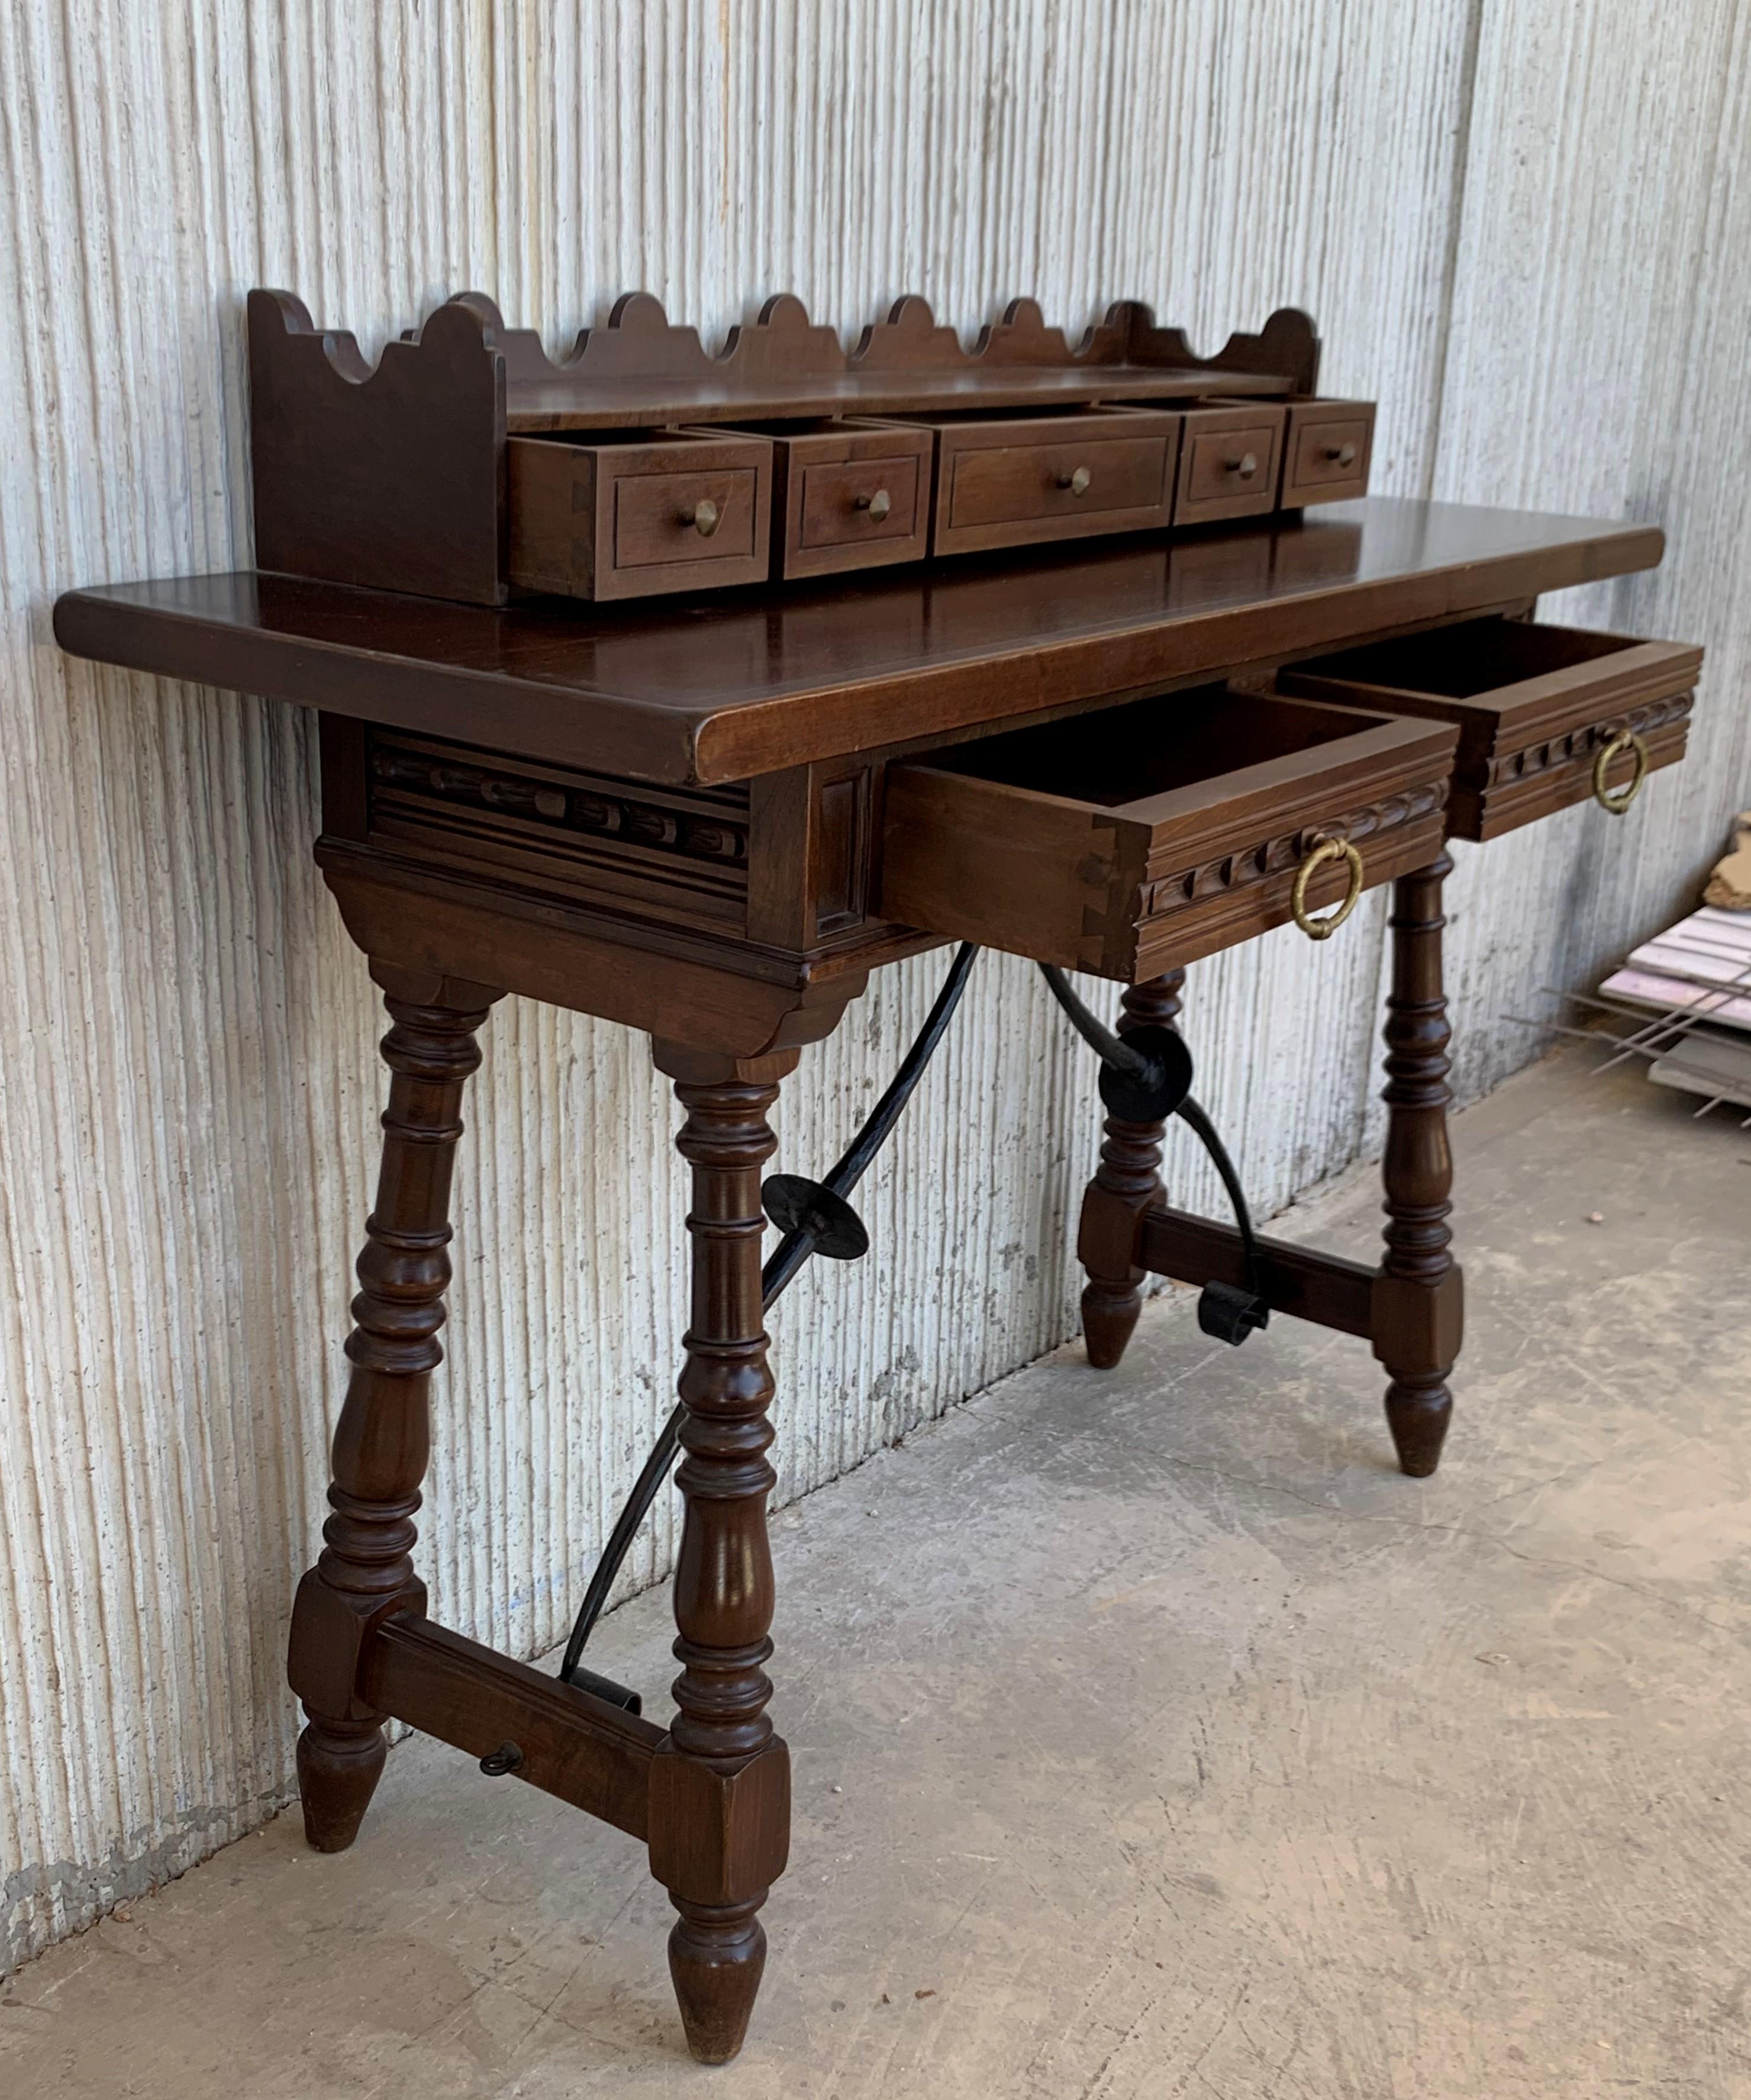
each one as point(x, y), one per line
point(1476, 657)
point(611, 442)
point(1026, 422)
point(1153, 747)
point(808, 426)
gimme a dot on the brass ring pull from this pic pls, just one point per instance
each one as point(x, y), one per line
point(704, 517)
point(1077, 483)
point(1245, 467)
point(1344, 455)
point(1327, 849)
point(1615, 800)
point(878, 505)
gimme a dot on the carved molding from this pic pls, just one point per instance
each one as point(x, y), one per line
point(1578, 747)
point(595, 809)
point(1280, 855)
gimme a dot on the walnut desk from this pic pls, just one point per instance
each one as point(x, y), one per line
point(710, 819)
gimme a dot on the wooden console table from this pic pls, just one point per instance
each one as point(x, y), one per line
point(710, 819)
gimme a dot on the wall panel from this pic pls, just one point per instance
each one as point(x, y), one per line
point(188, 1086)
point(1602, 302)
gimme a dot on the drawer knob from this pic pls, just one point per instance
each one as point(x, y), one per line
point(1077, 483)
point(1616, 800)
point(704, 517)
point(1245, 467)
point(1326, 850)
point(878, 505)
point(1344, 455)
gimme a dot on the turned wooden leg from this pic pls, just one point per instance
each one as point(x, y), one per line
point(1417, 1298)
point(720, 1788)
point(1127, 1181)
point(381, 1442)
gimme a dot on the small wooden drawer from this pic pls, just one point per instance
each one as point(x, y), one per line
point(1007, 481)
point(610, 516)
point(1328, 450)
point(1230, 462)
point(1133, 839)
point(847, 492)
point(1535, 705)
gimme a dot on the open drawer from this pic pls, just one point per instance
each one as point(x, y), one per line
point(1538, 709)
point(1133, 839)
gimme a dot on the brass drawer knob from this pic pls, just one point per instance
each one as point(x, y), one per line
point(1077, 483)
point(878, 505)
point(1326, 850)
point(704, 517)
point(1245, 467)
point(1344, 455)
point(1615, 801)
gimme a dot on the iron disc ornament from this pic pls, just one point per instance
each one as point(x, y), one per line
point(1153, 1095)
point(796, 1204)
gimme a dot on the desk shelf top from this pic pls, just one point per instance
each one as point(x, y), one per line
point(753, 681)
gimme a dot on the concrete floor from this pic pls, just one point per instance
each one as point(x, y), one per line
point(1153, 1737)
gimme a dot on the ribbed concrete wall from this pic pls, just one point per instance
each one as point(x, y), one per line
point(1526, 231)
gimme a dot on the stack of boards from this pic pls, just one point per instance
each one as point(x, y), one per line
point(1698, 975)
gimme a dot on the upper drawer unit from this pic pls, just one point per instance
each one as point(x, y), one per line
point(471, 463)
point(1136, 839)
point(1007, 481)
point(629, 515)
point(1547, 715)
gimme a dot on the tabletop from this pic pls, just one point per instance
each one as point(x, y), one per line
point(735, 683)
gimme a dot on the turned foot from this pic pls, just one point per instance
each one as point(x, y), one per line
point(1418, 1413)
point(339, 1763)
point(716, 1955)
point(1109, 1315)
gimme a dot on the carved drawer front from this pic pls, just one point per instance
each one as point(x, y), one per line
point(1327, 452)
point(611, 516)
point(1536, 707)
point(1133, 839)
point(1230, 462)
point(848, 493)
point(1006, 481)
point(678, 854)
